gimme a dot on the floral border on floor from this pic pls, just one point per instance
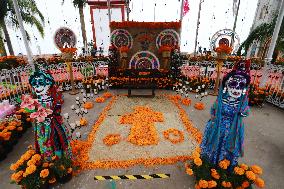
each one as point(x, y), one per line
point(81, 148)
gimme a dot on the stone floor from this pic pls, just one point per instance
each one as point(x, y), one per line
point(264, 145)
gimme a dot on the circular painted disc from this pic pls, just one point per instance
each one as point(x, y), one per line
point(167, 37)
point(144, 60)
point(121, 37)
point(63, 36)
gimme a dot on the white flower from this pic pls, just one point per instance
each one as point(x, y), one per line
point(202, 94)
point(84, 94)
point(77, 98)
point(84, 100)
point(77, 123)
point(66, 116)
point(78, 134)
point(77, 102)
point(72, 107)
point(196, 96)
point(82, 109)
point(72, 125)
point(77, 111)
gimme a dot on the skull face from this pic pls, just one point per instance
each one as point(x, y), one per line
point(40, 85)
point(236, 85)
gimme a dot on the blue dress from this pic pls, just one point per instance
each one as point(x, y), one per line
point(224, 133)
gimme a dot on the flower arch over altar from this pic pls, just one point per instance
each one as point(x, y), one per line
point(144, 59)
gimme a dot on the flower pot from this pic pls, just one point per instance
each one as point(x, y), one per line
point(65, 178)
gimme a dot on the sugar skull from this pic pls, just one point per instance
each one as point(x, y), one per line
point(41, 82)
point(236, 85)
point(236, 82)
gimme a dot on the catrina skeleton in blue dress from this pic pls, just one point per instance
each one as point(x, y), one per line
point(224, 133)
point(51, 137)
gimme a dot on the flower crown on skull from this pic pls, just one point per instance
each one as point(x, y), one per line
point(237, 81)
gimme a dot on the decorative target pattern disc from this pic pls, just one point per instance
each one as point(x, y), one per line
point(121, 37)
point(64, 36)
point(144, 60)
point(167, 37)
point(225, 35)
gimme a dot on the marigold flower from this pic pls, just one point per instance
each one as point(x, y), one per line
point(239, 171)
point(100, 100)
point(250, 175)
point(226, 184)
point(256, 169)
point(197, 186)
point(259, 182)
point(203, 183)
point(212, 184)
point(197, 161)
point(53, 180)
point(30, 170)
point(189, 171)
point(224, 164)
point(195, 154)
point(244, 166)
point(215, 174)
point(31, 162)
point(17, 177)
point(45, 165)
point(186, 101)
point(14, 167)
point(69, 170)
point(245, 184)
point(44, 173)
